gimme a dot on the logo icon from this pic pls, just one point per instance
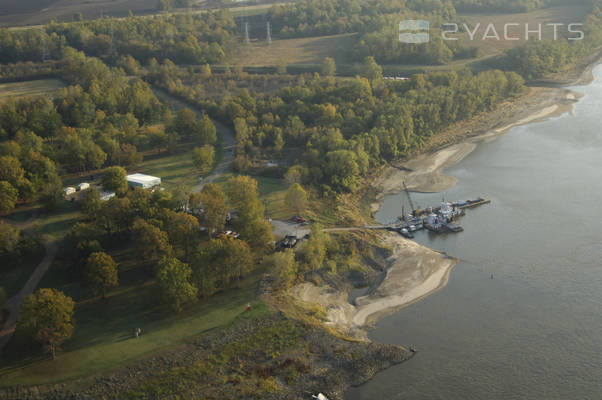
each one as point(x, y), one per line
point(414, 25)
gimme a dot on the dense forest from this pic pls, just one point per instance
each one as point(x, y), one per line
point(182, 38)
point(103, 118)
point(537, 59)
point(340, 128)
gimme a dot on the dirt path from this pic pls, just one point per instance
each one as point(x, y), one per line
point(229, 148)
point(228, 139)
point(14, 303)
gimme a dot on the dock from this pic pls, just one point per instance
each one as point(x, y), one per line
point(440, 219)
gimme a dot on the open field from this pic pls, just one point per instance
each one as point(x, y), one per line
point(38, 12)
point(564, 14)
point(303, 51)
point(33, 12)
point(30, 88)
point(310, 52)
point(103, 337)
point(174, 170)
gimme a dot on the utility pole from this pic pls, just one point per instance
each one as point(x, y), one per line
point(269, 34)
point(45, 52)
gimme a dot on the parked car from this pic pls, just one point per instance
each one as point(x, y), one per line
point(298, 219)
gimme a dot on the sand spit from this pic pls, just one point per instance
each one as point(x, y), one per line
point(423, 173)
point(413, 273)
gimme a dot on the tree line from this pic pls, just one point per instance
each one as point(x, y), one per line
point(103, 118)
point(536, 59)
point(333, 131)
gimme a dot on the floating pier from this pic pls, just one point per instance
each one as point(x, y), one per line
point(435, 219)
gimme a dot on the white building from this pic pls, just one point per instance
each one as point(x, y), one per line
point(104, 196)
point(83, 186)
point(143, 181)
point(68, 190)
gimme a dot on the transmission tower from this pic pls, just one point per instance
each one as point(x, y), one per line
point(45, 52)
point(112, 35)
point(247, 33)
point(269, 34)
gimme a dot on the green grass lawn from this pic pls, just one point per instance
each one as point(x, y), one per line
point(14, 275)
point(56, 223)
point(30, 88)
point(103, 335)
point(173, 170)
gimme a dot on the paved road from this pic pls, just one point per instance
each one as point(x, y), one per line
point(14, 303)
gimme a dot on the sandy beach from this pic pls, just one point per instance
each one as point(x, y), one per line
point(423, 172)
point(413, 272)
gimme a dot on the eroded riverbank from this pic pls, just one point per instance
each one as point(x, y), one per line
point(415, 271)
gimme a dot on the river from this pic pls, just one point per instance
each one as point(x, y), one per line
point(521, 316)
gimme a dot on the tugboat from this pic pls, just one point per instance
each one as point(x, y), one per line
point(435, 223)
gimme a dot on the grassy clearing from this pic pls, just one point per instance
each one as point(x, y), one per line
point(564, 14)
point(303, 51)
point(30, 88)
point(310, 52)
point(56, 223)
point(173, 170)
point(14, 275)
point(103, 337)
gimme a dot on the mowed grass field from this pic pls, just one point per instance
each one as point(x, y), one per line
point(174, 170)
point(103, 338)
point(303, 51)
point(30, 88)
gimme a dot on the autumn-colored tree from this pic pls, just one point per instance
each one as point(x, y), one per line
point(371, 69)
point(173, 281)
point(8, 197)
point(328, 67)
point(207, 131)
point(244, 198)
point(113, 178)
point(91, 202)
point(47, 317)
point(151, 242)
point(204, 157)
point(230, 259)
point(314, 251)
point(214, 207)
point(9, 238)
point(250, 222)
point(296, 198)
point(101, 273)
point(283, 267)
point(115, 215)
point(183, 230)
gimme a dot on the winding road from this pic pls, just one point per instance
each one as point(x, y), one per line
point(226, 135)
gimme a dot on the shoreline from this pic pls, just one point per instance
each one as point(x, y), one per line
point(424, 172)
point(415, 271)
